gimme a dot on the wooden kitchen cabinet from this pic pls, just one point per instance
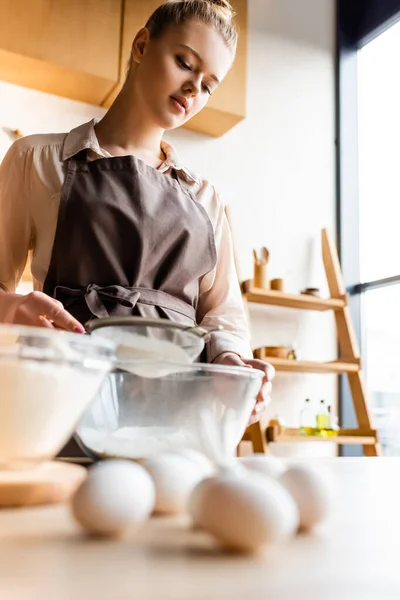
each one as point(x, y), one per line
point(227, 106)
point(65, 47)
point(135, 15)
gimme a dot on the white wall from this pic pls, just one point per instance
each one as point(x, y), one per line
point(276, 171)
point(35, 112)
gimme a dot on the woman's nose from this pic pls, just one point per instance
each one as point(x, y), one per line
point(192, 86)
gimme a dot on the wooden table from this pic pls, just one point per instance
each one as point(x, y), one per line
point(356, 556)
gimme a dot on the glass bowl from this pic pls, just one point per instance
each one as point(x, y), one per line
point(47, 379)
point(203, 407)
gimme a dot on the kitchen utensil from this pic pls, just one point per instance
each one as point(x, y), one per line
point(203, 407)
point(151, 347)
point(312, 292)
point(277, 284)
point(255, 256)
point(264, 253)
point(260, 279)
point(272, 351)
point(276, 351)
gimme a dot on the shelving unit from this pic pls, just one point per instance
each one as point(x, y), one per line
point(301, 301)
point(349, 362)
point(308, 366)
point(345, 436)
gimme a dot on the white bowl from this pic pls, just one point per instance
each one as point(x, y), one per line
point(47, 379)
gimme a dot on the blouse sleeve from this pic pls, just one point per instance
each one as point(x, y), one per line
point(15, 226)
point(220, 301)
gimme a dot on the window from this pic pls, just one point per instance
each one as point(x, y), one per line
point(369, 200)
point(379, 155)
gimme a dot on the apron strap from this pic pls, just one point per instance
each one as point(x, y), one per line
point(94, 296)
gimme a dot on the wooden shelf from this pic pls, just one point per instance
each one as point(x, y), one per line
point(349, 362)
point(346, 436)
point(302, 301)
point(308, 366)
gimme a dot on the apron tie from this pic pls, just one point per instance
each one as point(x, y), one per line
point(94, 296)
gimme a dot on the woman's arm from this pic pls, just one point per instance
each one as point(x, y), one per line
point(220, 301)
point(16, 239)
point(16, 235)
point(221, 304)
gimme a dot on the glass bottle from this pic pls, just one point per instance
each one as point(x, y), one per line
point(333, 428)
point(307, 418)
point(323, 417)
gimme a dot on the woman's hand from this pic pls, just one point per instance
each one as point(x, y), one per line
point(40, 310)
point(263, 397)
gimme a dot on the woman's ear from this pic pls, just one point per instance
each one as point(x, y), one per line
point(139, 44)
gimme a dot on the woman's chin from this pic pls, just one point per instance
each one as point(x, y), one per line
point(171, 120)
point(173, 123)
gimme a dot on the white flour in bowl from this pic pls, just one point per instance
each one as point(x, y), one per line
point(40, 404)
point(137, 442)
point(151, 357)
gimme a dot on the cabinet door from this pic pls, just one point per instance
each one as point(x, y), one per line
point(227, 106)
point(135, 15)
point(65, 47)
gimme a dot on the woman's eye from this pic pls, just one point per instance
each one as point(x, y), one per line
point(183, 64)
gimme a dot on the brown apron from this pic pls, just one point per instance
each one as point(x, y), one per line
point(129, 241)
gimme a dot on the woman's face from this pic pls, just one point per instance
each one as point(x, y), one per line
point(175, 75)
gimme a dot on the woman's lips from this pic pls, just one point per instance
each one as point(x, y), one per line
point(179, 103)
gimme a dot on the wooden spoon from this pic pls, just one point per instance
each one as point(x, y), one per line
point(264, 254)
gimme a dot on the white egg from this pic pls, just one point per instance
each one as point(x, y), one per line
point(116, 495)
point(266, 465)
point(312, 490)
point(244, 512)
point(175, 476)
point(195, 501)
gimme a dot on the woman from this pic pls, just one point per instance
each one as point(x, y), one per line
point(117, 224)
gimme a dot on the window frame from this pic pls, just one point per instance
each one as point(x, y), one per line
point(357, 23)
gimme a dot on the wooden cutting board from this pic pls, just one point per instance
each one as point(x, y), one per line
point(47, 483)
